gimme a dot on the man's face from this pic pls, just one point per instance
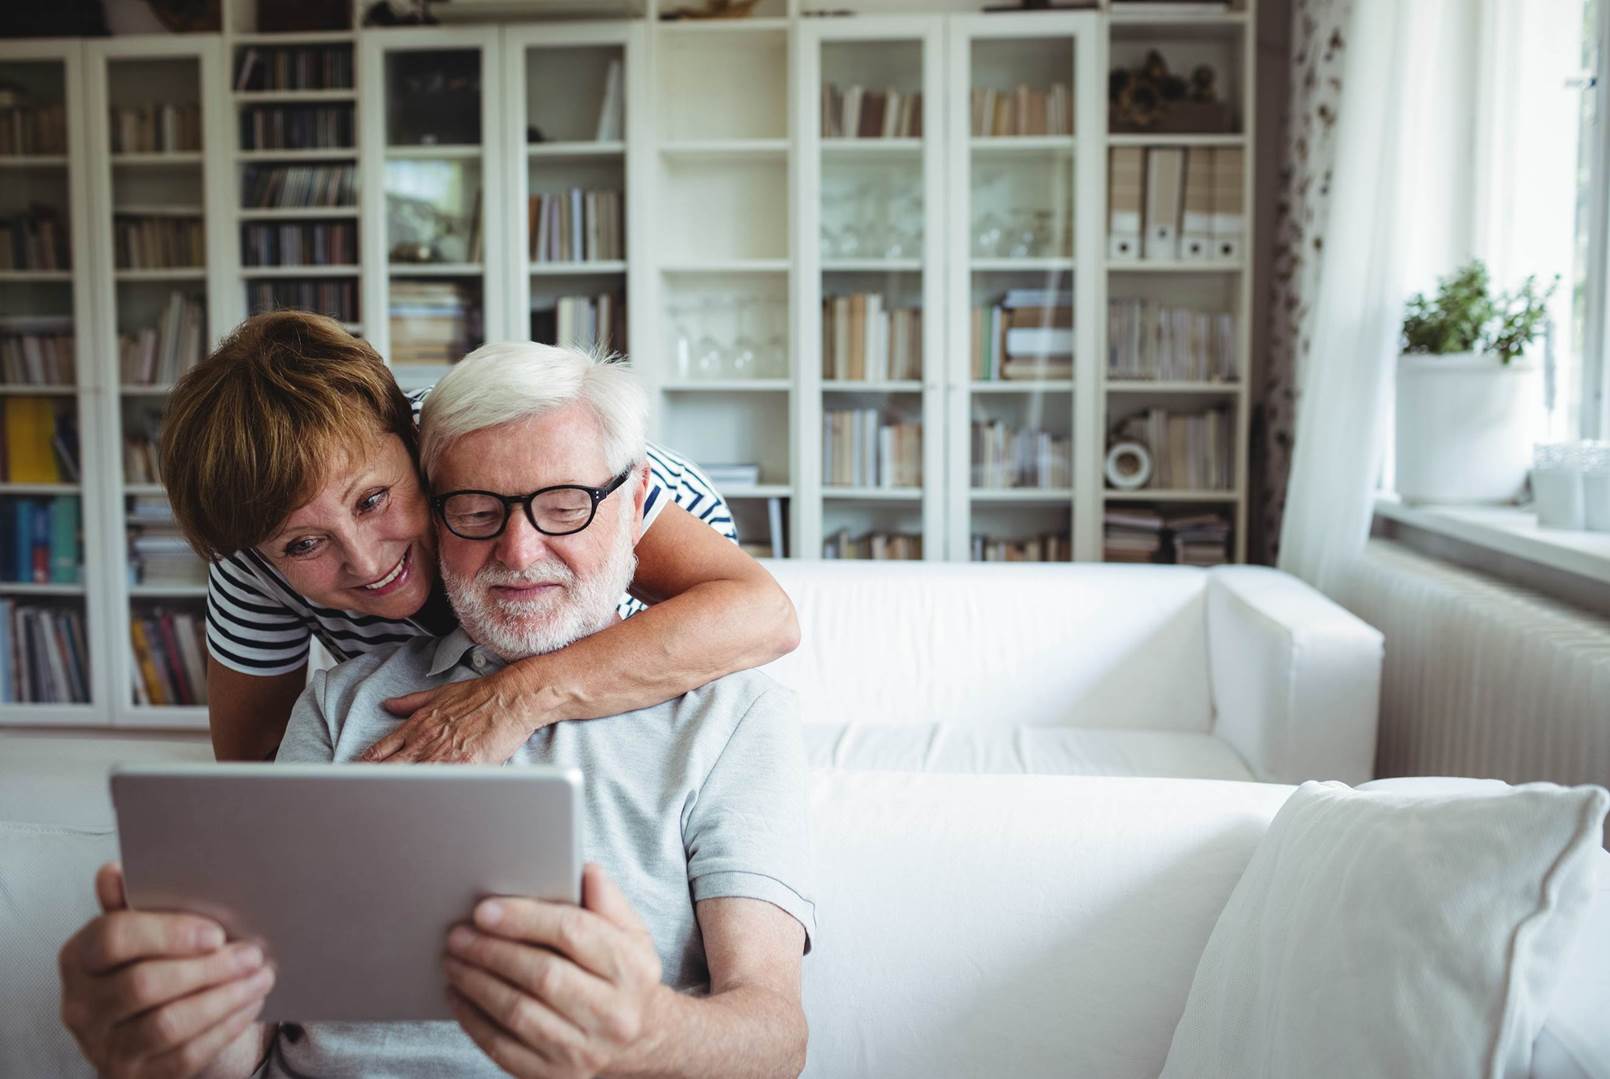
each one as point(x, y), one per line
point(525, 593)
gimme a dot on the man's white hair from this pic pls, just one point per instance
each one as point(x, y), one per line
point(513, 380)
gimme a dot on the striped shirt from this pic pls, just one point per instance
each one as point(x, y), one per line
point(258, 624)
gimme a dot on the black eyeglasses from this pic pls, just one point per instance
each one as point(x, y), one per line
point(554, 511)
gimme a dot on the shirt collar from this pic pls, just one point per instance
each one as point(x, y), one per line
point(450, 650)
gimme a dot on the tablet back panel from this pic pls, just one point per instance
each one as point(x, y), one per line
point(351, 874)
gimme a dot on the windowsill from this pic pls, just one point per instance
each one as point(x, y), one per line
point(1508, 530)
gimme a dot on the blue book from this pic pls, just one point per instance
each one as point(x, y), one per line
point(8, 537)
point(64, 553)
point(39, 556)
point(7, 693)
point(22, 550)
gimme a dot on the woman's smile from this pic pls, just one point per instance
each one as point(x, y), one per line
point(395, 578)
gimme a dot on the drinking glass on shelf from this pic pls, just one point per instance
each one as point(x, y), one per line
point(988, 233)
point(681, 340)
point(773, 361)
point(709, 356)
point(746, 349)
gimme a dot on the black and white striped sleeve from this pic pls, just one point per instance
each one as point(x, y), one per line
point(248, 629)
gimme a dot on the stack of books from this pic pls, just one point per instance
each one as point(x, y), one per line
point(1154, 341)
point(156, 129)
point(854, 112)
point(1005, 457)
point(745, 474)
point(1201, 539)
point(44, 658)
point(38, 440)
point(863, 448)
point(1048, 547)
point(337, 299)
point(1024, 110)
point(158, 355)
point(158, 551)
point(168, 664)
point(149, 241)
point(865, 341)
point(432, 322)
point(33, 129)
point(1131, 535)
point(1027, 335)
point(881, 546)
point(304, 67)
point(33, 239)
point(308, 243)
point(298, 186)
point(40, 541)
point(1189, 452)
point(581, 321)
point(296, 127)
point(36, 351)
point(576, 226)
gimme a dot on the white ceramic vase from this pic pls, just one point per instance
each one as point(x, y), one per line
point(1465, 427)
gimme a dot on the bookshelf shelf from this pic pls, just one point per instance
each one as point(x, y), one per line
point(1171, 495)
point(716, 27)
point(1177, 140)
point(26, 588)
point(159, 210)
point(435, 269)
point(39, 389)
point(33, 161)
point(446, 152)
point(872, 266)
point(174, 273)
point(876, 148)
point(300, 213)
point(1020, 494)
point(40, 489)
point(292, 97)
point(1175, 266)
point(143, 489)
point(576, 151)
point(887, 386)
point(570, 269)
point(166, 159)
point(250, 272)
point(1008, 386)
point(160, 590)
point(294, 37)
point(723, 149)
point(1139, 386)
point(991, 145)
point(1023, 265)
point(730, 385)
point(873, 494)
point(729, 266)
point(144, 391)
point(321, 153)
point(25, 276)
point(759, 490)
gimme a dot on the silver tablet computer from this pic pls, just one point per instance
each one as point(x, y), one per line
point(352, 875)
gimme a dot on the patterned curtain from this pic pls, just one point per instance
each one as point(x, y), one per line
point(1300, 210)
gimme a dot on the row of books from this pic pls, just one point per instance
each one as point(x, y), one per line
point(881, 546)
point(584, 321)
point(1189, 452)
point(432, 322)
point(33, 239)
point(158, 241)
point(298, 186)
point(296, 127)
point(305, 243)
point(169, 658)
point(337, 299)
point(298, 67)
point(38, 440)
point(159, 553)
point(1026, 334)
point(156, 129)
point(1148, 340)
point(1138, 534)
point(158, 355)
point(1173, 203)
point(865, 341)
point(40, 541)
point(1048, 547)
point(854, 112)
point(33, 129)
point(1024, 110)
point(1004, 457)
point(140, 464)
point(861, 447)
point(36, 351)
point(44, 657)
point(576, 226)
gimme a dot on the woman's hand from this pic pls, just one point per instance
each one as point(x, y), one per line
point(482, 721)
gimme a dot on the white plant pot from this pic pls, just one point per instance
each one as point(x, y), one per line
point(1465, 427)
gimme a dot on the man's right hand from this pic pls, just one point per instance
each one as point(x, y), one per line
point(150, 994)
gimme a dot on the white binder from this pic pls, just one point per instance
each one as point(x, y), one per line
point(1165, 180)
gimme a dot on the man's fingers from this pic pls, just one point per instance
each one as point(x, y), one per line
point(600, 895)
point(166, 1030)
point(109, 888)
point(142, 986)
point(508, 1012)
point(580, 935)
point(582, 998)
point(409, 703)
point(125, 936)
point(384, 748)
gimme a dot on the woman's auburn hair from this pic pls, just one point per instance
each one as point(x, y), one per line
point(251, 433)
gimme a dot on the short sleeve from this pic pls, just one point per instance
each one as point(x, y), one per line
point(747, 835)
point(248, 630)
point(307, 735)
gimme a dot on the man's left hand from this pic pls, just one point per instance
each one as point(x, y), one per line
point(549, 989)
point(474, 722)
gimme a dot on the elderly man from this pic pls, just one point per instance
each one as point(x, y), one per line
point(535, 460)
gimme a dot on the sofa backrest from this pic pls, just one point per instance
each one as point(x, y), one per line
point(1084, 645)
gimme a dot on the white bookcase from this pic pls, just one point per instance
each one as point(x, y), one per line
point(745, 227)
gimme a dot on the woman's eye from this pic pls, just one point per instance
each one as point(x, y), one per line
point(301, 548)
point(372, 502)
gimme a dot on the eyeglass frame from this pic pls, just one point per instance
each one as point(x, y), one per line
point(438, 504)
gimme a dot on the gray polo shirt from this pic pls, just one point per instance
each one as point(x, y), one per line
point(701, 797)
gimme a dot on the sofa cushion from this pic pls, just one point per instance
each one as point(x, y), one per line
point(968, 747)
point(1390, 932)
point(47, 890)
point(930, 642)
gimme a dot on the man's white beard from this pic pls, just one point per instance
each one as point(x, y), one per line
point(515, 629)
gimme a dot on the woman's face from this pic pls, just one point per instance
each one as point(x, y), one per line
point(364, 542)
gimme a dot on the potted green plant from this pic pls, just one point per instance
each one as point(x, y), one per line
point(1467, 400)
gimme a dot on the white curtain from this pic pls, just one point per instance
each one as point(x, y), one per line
point(1418, 187)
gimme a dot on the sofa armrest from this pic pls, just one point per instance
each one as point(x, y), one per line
point(1296, 678)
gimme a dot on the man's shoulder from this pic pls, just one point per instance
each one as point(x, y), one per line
point(392, 659)
point(737, 697)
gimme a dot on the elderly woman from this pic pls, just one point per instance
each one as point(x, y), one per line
point(290, 460)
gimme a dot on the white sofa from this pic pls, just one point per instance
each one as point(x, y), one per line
point(1239, 672)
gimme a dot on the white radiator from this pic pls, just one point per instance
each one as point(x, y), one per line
point(1482, 679)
